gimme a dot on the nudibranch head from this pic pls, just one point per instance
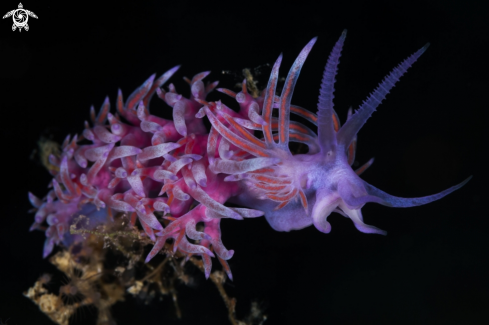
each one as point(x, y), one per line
point(305, 189)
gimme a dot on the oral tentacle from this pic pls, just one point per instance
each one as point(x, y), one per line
point(381, 197)
point(326, 202)
point(356, 216)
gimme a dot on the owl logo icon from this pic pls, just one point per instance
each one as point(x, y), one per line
point(20, 17)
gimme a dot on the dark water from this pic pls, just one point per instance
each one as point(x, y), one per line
point(429, 134)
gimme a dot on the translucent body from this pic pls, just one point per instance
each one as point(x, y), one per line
point(141, 164)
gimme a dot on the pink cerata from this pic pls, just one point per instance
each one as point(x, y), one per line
point(149, 167)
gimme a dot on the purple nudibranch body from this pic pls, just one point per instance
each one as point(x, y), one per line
point(147, 166)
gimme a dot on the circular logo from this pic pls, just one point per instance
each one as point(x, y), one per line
point(20, 18)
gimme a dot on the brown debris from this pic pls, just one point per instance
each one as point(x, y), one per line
point(92, 283)
point(46, 148)
point(251, 83)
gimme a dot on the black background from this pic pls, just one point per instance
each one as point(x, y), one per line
point(429, 134)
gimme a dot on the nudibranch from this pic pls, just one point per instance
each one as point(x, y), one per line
point(151, 168)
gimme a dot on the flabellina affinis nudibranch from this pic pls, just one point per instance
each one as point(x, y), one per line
point(148, 167)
